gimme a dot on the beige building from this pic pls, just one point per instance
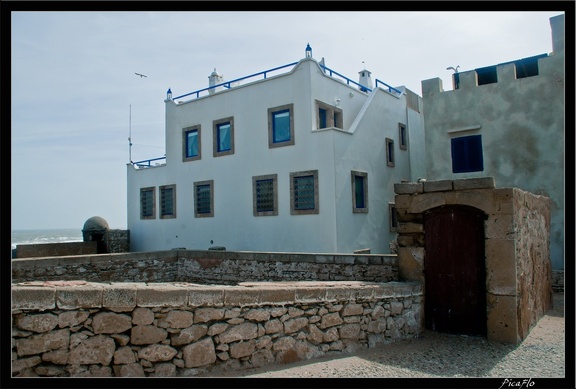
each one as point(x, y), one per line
point(505, 121)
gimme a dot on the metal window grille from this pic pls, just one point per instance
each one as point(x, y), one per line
point(203, 204)
point(304, 192)
point(265, 195)
point(167, 201)
point(147, 202)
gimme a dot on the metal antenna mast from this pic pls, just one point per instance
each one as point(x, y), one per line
point(130, 136)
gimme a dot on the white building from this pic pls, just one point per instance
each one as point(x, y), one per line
point(296, 159)
point(506, 121)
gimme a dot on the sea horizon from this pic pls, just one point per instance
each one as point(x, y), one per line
point(45, 235)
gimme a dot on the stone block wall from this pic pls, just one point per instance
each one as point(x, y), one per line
point(55, 249)
point(517, 247)
point(118, 241)
point(80, 329)
point(206, 266)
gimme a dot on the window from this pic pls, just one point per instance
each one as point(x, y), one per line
point(389, 152)
point(265, 195)
point(486, 75)
point(359, 192)
point(168, 202)
point(191, 144)
point(328, 116)
point(204, 199)
point(148, 203)
point(467, 154)
point(304, 193)
point(223, 137)
point(403, 135)
point(281, 126)
point(392, 216)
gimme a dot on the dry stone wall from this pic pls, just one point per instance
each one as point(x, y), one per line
point(82, 329)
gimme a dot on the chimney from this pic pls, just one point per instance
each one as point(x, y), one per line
point(364, 79)
point(215, 79)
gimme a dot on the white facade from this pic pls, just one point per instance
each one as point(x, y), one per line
point(519, 120)
point(369, 122)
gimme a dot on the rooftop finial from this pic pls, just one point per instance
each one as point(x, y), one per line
point(308, 51)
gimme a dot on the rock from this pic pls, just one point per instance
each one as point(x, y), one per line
point(200, 353)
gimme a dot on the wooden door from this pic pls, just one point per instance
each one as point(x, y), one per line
point(455, 272)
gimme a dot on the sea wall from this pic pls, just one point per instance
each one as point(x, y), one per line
point(83, 329)
point(207, 266)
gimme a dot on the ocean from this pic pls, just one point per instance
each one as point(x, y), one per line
point(46, 236)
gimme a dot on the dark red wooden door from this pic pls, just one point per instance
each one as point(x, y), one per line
point(455, 272)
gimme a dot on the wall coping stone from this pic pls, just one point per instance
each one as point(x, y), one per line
point(71, 295)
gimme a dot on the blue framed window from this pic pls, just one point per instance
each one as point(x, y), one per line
point(467, 154)
point(304, 193)
point(191, 142)
point(223, 137)
point(281, 126)
point(168, 201)
point(204, 199)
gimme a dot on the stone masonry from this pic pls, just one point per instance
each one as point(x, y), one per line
point(82, 329)
point(517, 247)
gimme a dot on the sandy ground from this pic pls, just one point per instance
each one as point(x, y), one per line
point(434, 355)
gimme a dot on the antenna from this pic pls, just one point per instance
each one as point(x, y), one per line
point(130, 136)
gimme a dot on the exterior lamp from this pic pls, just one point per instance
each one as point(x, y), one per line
point(308, 51)
point(169, 94)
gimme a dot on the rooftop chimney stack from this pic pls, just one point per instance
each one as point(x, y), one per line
point(215, 79)
point(365, 80)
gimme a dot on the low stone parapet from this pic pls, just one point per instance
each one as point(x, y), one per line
point(208, 266)
point(83, 329)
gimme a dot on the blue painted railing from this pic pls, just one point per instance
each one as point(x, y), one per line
point(148, 162)
point(228, 85)
point(332, 73)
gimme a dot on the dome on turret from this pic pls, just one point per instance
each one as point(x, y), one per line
point(95, 223)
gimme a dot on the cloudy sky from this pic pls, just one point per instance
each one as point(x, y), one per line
point(76, 98)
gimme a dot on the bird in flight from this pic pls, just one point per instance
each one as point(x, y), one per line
point(141, 75)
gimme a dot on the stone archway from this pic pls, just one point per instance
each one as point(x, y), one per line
point(517, 262)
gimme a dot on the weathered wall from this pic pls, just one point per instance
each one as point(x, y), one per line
point(118, 241)
point(522, 125)
point(79, 329)
point(55, 249)
point(208, 266)
point(517, 244)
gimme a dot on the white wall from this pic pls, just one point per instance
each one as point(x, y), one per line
point(333, 153)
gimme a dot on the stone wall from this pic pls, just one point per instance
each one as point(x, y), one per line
point(558, 281)
point(517, 247)
point(118, 241)
point(80, 329)
point(55, 249)
point(208, 266)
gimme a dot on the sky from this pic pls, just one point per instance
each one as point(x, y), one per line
point(75, 97)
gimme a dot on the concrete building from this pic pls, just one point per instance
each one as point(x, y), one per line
point(504, 121)
point(297, 159)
